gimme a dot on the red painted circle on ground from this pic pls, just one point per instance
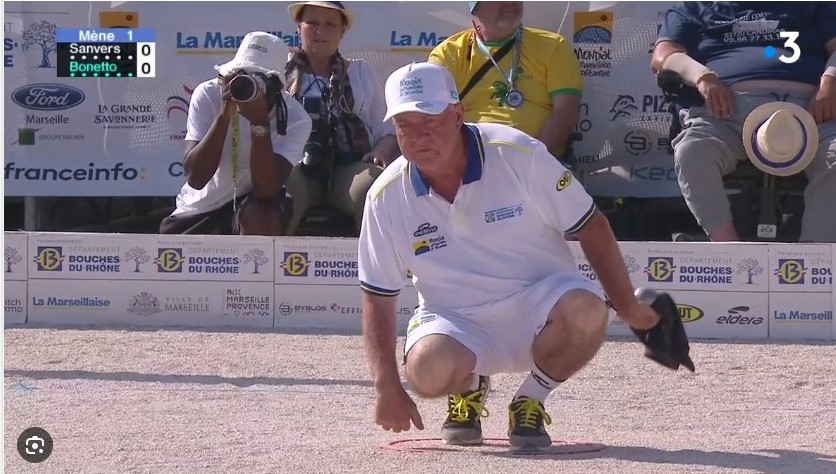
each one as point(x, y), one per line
point(429, 445)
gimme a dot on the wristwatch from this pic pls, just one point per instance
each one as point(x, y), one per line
point(260, 129)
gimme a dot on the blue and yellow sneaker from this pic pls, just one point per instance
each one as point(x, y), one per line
point(526, 425)
point(463, 426)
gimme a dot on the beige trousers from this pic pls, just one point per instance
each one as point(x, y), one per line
point(350, 185)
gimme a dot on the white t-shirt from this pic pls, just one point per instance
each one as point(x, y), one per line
point(204, 107)
point(369, 102)
point(503, 231)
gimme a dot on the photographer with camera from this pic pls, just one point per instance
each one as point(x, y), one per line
point(244, 135)
point(349, 144)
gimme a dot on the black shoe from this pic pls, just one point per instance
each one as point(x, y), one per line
point(463, 425)
point(526, 425)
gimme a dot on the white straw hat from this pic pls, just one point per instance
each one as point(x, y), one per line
point(780, 138)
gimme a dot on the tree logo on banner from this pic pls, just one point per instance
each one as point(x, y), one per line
point(42, 34)
point(12, 258)
point(751, 267)
point(258, 257)
point(138, 256)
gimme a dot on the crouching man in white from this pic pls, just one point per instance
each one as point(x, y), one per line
point(478, 213)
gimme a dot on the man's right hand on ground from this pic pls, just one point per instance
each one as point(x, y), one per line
point(394, 410)
point(719, 99)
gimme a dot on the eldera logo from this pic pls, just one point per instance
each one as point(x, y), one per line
point(739, 315)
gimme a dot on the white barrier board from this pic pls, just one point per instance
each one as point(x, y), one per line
point(331, 307)
point(148, 280)
point(800, 316)
point(798, 268)
point(150, 257)
point(14, 299)
point(151, 303)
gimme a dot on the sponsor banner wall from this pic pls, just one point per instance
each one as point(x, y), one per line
point(124, 136)
point(306, 261)
point(151, 303)
point(673, 265)
point(335, 307)
point(225, 258)
point(633, 253)
point(800, 268)
point(14, 277)
point(150, 257)
point(15, 253)
point(703, 266)
point(14, 302)
point(312, 283)
point(723, 315)
point(800, 315)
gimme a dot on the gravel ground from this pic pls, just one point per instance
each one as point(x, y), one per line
point(184, 401)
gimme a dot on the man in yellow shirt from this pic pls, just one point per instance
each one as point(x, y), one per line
point(535, 86)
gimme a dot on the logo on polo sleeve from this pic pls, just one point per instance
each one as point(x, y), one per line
point(564, 181)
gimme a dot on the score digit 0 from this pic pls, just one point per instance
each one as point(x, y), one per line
point(145, 60)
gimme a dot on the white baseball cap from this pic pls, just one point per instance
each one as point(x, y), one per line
point(259, 52)
point(781, 138)
point(420, 87)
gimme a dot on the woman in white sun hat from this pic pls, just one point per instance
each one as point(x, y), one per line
point(350, 144)
point(741, 60)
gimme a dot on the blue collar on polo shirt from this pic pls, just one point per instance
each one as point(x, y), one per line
point(472, 171)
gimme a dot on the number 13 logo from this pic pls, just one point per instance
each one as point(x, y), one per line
point(791, 44)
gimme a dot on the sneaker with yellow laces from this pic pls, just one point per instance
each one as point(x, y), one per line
point(527, 420)
point(463, 426)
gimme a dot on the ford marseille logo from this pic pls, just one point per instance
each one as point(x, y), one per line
point(47, 97)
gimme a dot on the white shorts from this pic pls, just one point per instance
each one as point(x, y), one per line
point(502, 334)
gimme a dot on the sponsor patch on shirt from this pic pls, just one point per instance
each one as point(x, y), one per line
point(564, 181)
point(502, 213)
point(423, 246)
point(425, 229)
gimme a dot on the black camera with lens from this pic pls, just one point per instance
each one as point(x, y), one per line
point(318, 156)
point(245, 86)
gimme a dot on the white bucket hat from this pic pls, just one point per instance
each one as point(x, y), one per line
point(420, 87)
point(259, 52)
point(780, 138)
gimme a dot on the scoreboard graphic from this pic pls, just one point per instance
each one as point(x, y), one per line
point(106, 52)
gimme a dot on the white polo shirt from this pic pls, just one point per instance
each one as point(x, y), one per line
point(205, 104)
point(503, 231)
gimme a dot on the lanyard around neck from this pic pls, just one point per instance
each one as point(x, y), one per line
point(512, 74)
point(235, 138)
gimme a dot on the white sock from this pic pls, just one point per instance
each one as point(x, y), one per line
point(474, 382)
point(537, 385)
